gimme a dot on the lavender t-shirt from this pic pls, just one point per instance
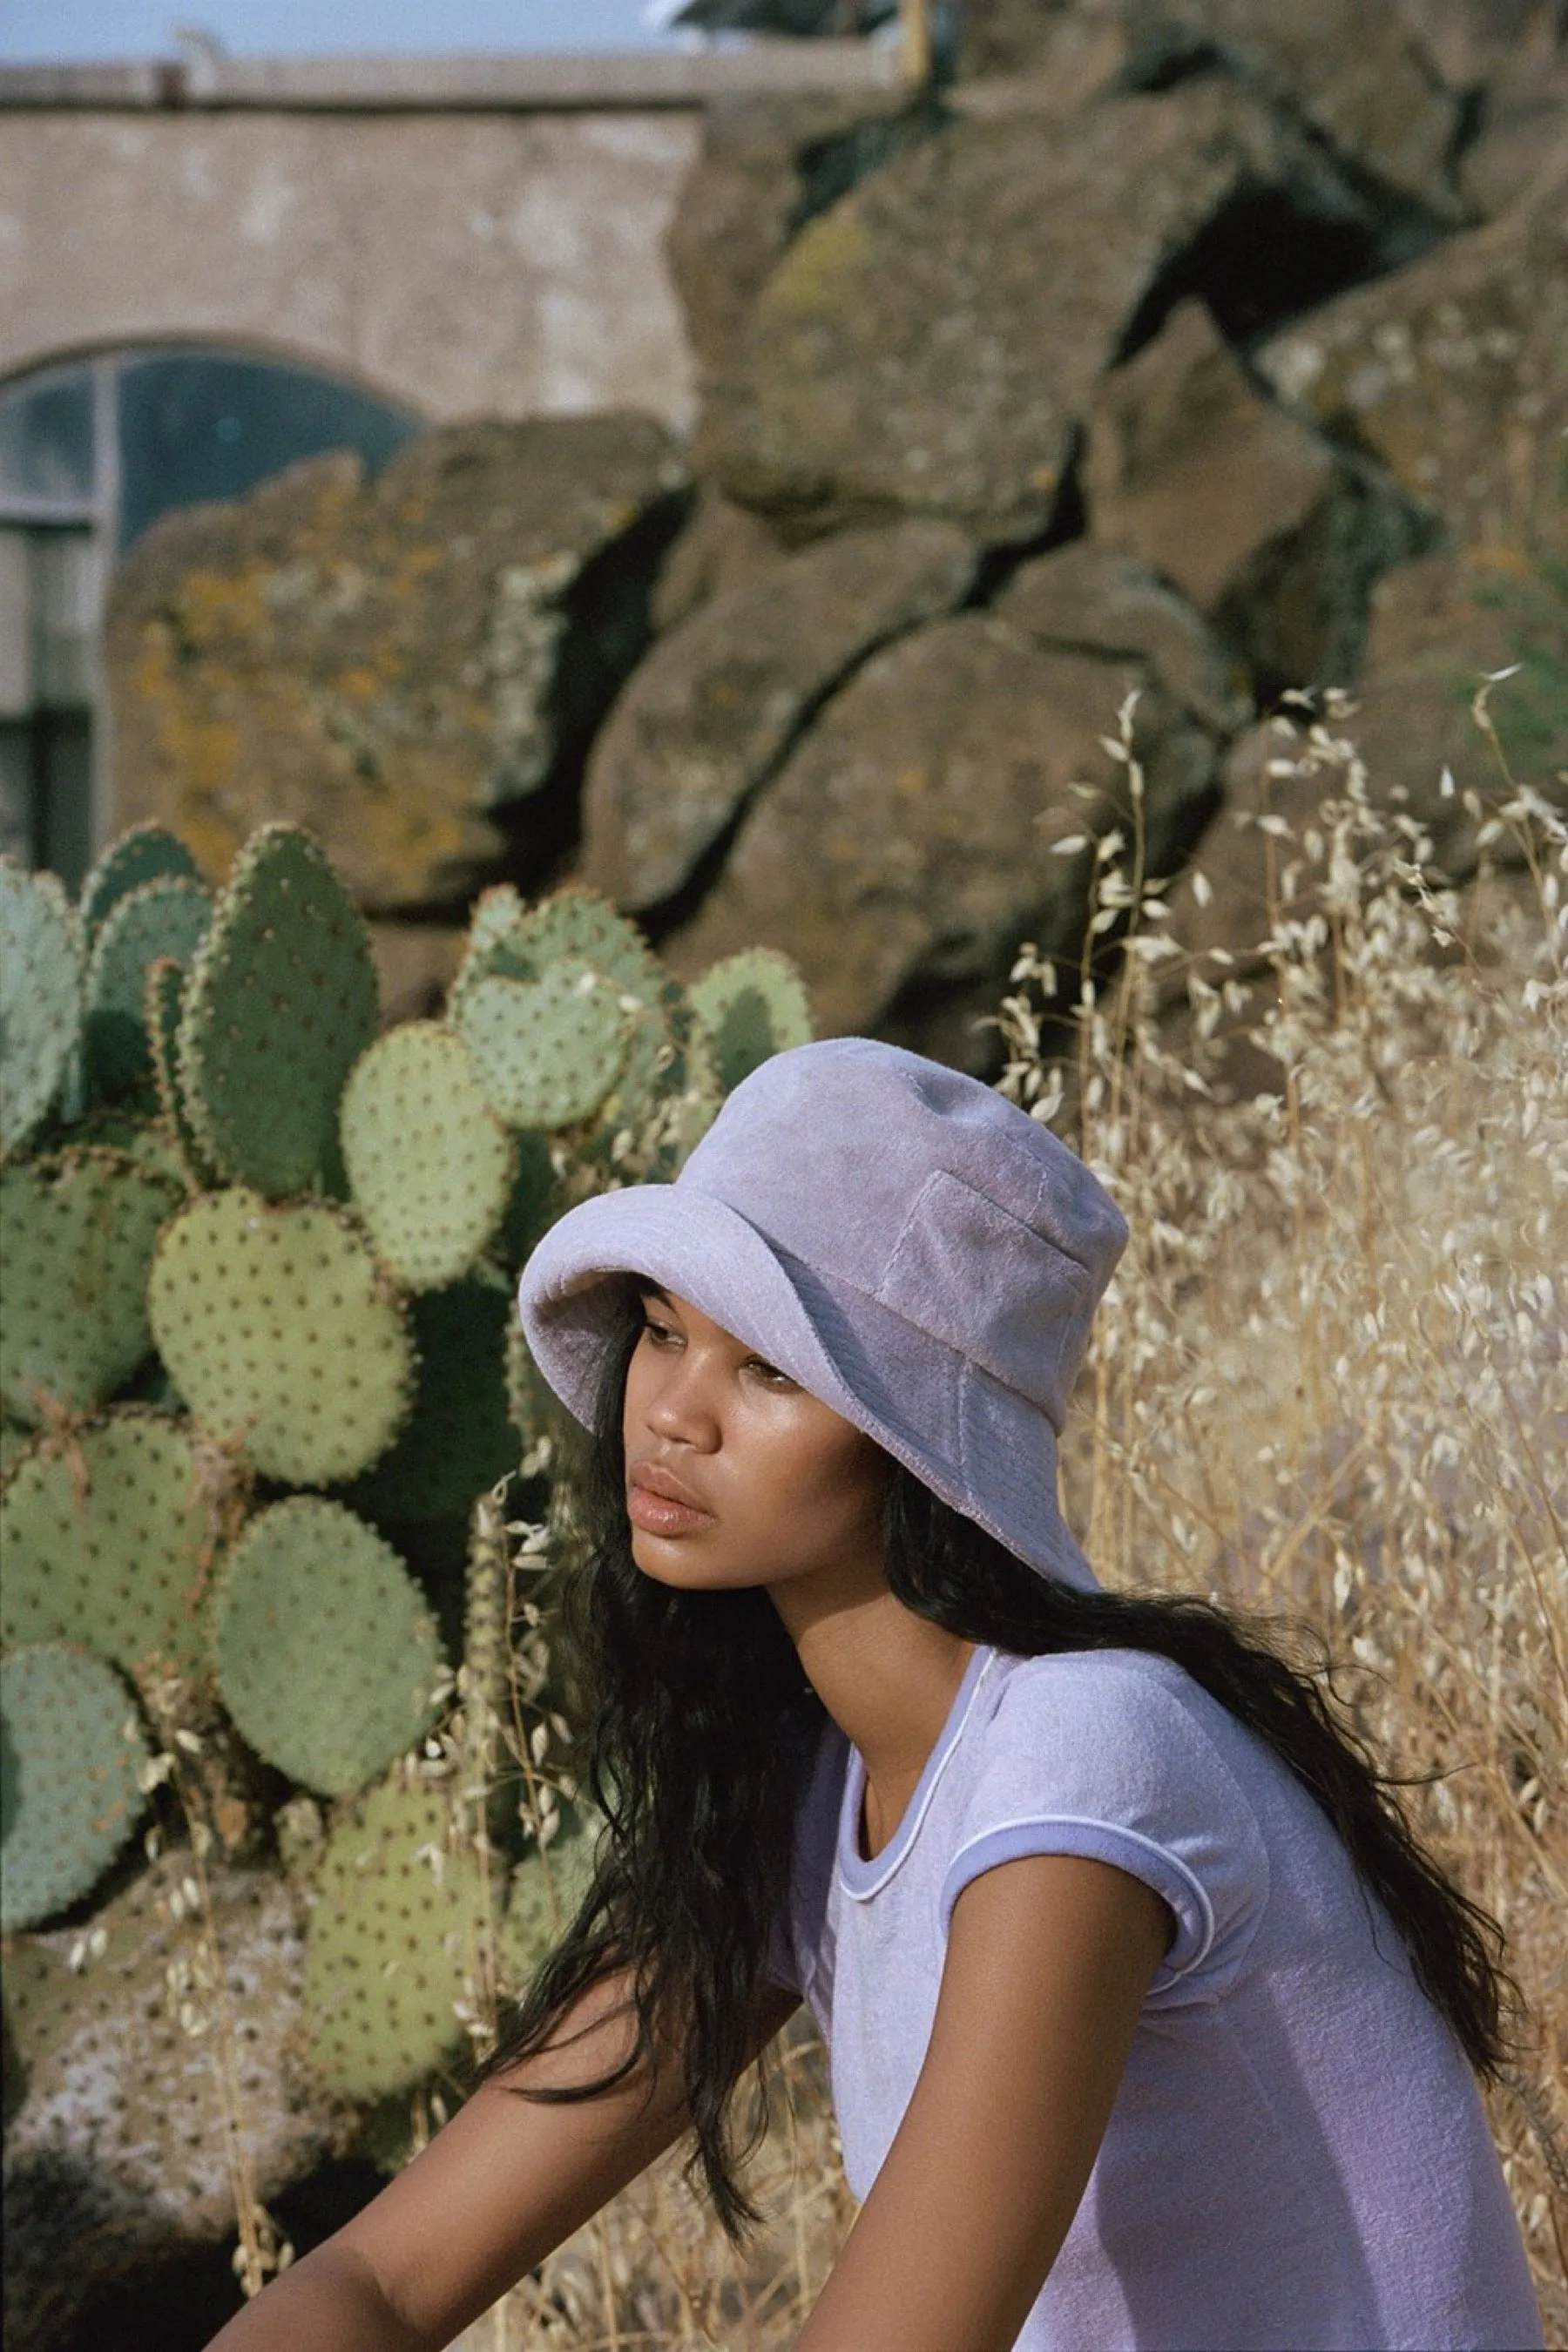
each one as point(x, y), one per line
point(1297, 2156)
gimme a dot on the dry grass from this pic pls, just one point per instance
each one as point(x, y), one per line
point(1332, 1378)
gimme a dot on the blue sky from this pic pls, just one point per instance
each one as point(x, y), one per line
point(54, 31)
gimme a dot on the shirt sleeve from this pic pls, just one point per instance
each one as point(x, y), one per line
point(1096, 1754)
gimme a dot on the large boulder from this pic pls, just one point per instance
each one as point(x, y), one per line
point(391, 663)
point(931, 343)
point(1440, 629)
point(1358, 71)
point(716, 703)
point(131, 2081)
point(766, 166)
point(1452, 374)
point(1352, 69)
point(1097, 601)
point(910, 842)
point(1269, 529)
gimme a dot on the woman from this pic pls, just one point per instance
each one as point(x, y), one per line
point(1150, 2023)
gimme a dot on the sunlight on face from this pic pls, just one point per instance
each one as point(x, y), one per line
point(787, 1488)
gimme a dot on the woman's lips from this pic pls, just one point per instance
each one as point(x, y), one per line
point(660, 1514)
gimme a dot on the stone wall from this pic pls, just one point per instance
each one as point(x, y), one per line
point(463, 264)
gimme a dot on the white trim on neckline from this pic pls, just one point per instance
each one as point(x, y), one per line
point(859, 1878)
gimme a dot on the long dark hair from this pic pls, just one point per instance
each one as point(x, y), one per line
point(700, 1726)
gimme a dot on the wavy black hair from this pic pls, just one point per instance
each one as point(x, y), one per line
point(700, 1726)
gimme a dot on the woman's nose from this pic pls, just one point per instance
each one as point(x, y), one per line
point(682, 1403)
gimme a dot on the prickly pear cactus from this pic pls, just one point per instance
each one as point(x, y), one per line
point(283, 1334)
point(166, 917)
point(327, 1658)
point(430, 1166)
point(77, 1236)
point(143, 853)
point(753, 1004)
point(391, 1944)
point(161, 1008)
point(459, 1440)
point(280, 1003)
point(547, 1050)
point(40, 999)
point(547, 1886)
point(73, 1758)
point(109, 1536)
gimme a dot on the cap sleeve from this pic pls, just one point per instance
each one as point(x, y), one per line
point(1101, 1754)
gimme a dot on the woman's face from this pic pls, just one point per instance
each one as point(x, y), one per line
point(785, 1487)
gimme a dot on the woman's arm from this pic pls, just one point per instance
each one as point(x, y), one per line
point(501, 2185)
point(1048, 1960)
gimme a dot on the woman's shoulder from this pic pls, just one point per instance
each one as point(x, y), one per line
point(1122, 1727)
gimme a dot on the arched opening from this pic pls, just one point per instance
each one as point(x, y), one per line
point(91, 453)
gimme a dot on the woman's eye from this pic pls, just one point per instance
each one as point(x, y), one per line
point(770, 1372)
point(654, 1331)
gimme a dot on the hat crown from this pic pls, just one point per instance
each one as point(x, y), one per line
point(888, 1175)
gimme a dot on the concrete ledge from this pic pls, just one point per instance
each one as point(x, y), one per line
point(545, 82)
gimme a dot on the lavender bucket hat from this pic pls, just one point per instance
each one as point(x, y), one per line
point(911, 1246)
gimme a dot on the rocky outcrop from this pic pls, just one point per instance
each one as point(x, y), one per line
point(1167, 347)
point(931, 343)
point(910, 842)
point(395, 662)
point(767, 166)
point(1292, 532)
point(1451, 373)
point(117, 2145)
point(716, 703)
point(1092, 599)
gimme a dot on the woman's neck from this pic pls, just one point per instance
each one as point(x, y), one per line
point(886, 1676)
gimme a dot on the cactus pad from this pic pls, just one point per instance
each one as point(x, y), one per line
point(166, 917)
point(459, 1440)
point(546, 1890)
point(390, 1944)
point(430, 1166)
point(143, 853)
point(161, 1008)
point(754, 1005)
point(77, 1235)
point(326, 1658)
point(107, 1539)
point(283, 1334)
point(40, 999)
point(72, 1754)
point(280, 1003)
point(547, 1050)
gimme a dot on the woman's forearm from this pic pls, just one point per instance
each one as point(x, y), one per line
point(329, 2301)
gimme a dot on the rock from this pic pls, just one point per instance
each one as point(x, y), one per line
point(766, 166)
point(931, 343)
point(1350, 68)
point(415, 965)
point(719, 547)
point(1093, 599)
point(1008, 40)
point(117, 2145)
point(1451, 372)
point(1522, 146)
point(906, 847)
point(716, 703)
point(1439, 629)
point(1472, 41)
point(1251, 512)
point(390, 662)
point(1355, 70)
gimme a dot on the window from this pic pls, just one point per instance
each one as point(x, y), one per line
point(91, 456)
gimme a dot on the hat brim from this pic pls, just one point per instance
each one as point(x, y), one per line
point(999, 1462)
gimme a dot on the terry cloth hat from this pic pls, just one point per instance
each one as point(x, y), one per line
point(911, 1246)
